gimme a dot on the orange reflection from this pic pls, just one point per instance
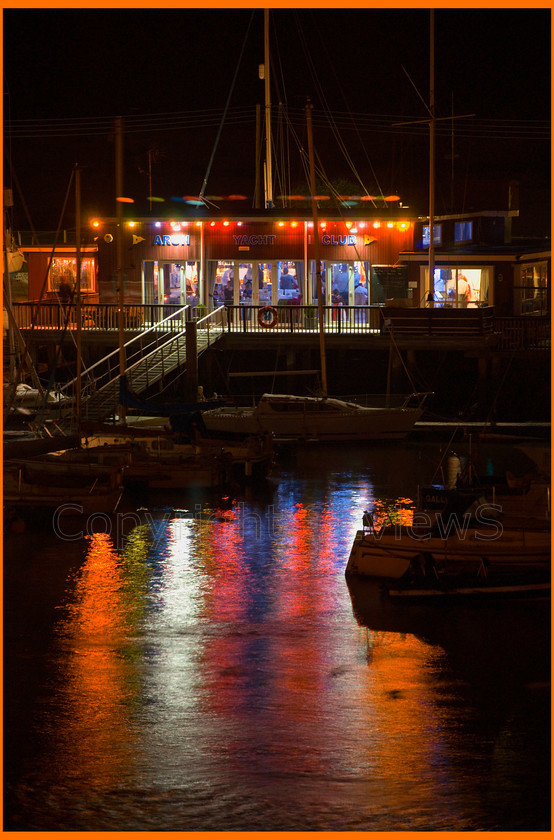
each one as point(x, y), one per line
point(101, 685)
point(405, 728)
point(398, 512)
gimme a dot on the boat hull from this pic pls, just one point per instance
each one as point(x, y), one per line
point(483, 590)
point(313, 418)
point(392, 555)
point(50, 485)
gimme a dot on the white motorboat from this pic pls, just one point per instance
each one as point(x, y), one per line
point(431, 548)
point(314, 418)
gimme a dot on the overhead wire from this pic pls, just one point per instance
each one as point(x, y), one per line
point(479, 128)
point(223, 115)
point(329, 114)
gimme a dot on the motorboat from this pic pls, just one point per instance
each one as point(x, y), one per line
point(432, 547)
point(315, 418)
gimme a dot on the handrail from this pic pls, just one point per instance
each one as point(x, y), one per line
point(217, 316)
point(168, 346)
point(86, 374)
point(146, 356)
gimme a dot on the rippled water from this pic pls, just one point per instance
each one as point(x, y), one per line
point(200, 663)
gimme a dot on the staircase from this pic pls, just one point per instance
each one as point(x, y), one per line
point(150, 357)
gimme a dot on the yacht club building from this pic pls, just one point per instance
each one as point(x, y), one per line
point(269, 258)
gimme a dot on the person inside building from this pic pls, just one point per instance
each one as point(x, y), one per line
point(287, 281)
point(360, 299)
point(464, 291)
point(247, 289)
point(227, 286)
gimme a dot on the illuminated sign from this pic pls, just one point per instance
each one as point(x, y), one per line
point(175, 239)
point(327, 239)
point(255, 239)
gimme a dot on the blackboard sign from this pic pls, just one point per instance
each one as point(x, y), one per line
point(388, 281)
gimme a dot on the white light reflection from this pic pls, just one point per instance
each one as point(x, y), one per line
point(181, 574)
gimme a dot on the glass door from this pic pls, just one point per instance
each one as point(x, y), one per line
point(263, 289)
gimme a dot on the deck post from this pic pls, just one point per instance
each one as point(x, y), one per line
point(191, 361)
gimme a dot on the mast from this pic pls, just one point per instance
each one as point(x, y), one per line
point(8, 201)
point(78, 317)
point(258, 185)
point(268, 172)
point(432, 155)
point(319, 286)
point(432, 120)
point(121, 291)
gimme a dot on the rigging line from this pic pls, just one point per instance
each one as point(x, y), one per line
point(175, 116)
point(205, 181)
point(34, 312)
point(331, 119)
point(342, 145)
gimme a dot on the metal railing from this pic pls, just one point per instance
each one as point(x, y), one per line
point(524, 332)
point(148, 342)
point(211, 326)
point(99, 316)
point(511, 332)
point(296, 318)
point(149, 356)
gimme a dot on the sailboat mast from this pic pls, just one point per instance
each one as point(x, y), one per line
point(432, 155)
point(319, 284)
point(8, 283)
point(268, 171)
point(121, 290)
point(78, 319)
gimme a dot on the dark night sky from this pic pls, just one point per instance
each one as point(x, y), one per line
point(168, 72)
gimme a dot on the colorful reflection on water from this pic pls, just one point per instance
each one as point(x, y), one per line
point(208, 672)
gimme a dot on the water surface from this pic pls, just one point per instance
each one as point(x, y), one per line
point(198, 662)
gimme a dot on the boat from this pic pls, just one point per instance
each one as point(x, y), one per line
point(479, 587)
point(27, 443)
point(524, 504)
point(516, 499)
point(474, 632)
point(447, 546)
point(290, 417)
point(29, 398)
point(159, 459)
point(50, 484)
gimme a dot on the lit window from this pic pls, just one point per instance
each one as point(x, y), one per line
point(63, 273)
point(463, 231)
point(437, 235)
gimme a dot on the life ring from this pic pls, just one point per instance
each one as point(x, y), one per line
point(267, 316)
